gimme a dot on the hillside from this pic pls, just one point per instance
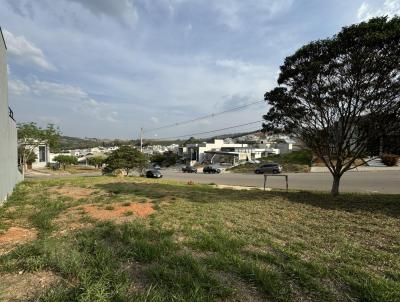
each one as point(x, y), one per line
point(70, 142)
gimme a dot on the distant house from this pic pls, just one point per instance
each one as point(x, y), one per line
point(42, 153)
point(9, 173)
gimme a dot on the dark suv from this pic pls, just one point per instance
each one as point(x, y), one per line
point(189, 169)
point(211, 169)
point(153, 173)
point(269, 168)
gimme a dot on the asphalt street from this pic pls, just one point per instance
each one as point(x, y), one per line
point(364, 182)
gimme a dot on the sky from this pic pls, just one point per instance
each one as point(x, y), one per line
point(102, 68)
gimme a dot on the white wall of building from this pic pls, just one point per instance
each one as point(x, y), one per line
point(42, 153)
point(9, 173)
point(198, 150)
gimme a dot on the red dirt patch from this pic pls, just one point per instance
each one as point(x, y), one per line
point(116, 211)
point(24, 286)
point(74, 192)
point(14, 236)
point(18, 235)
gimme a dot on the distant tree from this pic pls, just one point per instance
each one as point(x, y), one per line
point(30, 159)
point(65, 160)
point(96, 161)
point(125, 158)
point(191, 140)
point(334, 92)
point(31, 136)
point(168, 158)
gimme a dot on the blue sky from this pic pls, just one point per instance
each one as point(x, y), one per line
point(102, 68)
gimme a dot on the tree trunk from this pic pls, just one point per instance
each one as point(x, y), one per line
point(335, 185)
point(381, 146)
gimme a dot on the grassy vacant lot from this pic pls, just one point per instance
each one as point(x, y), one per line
point(132, 239)
point(71, 169)
point(297, 161)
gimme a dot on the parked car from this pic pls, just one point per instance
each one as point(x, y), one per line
point(189, 169)
point(211, 169)
point(269, 168)
point(153, 173)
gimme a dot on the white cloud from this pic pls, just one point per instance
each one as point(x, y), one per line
point(122, 11)
point(233, 13)
point(25, 52)
point(389, 8)
point(73, 96)
point(17, 87)
point(155, 120)
point(243, 68)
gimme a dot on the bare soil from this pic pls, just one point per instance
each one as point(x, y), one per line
point(18, 235)
point(25, 286)
point(115, 211)
point(73, 192)
point(15, 236)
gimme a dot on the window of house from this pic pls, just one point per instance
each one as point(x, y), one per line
point(42, 154)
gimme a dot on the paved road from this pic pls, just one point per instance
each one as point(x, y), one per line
point(366, 182)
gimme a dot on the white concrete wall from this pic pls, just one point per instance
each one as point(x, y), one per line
point(9, 174)
point(38, 163)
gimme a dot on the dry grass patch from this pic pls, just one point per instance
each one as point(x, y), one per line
point(73, 192)
point(243, 292)
point(117, 212)
point(25, 286)
point(70, 221)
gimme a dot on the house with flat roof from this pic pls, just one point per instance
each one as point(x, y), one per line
point(9, 173)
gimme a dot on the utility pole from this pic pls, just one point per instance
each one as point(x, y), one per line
point(141, 139)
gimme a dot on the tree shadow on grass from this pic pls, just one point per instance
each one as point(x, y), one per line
point(385, 204)
point(388, 205)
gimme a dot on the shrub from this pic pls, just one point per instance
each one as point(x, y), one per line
point(125, 158)
point(390, 160)
point(65, 160)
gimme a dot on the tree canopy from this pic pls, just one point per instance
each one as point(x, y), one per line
point(125, 158)
point(30, 136)
point(96, 161)
point(65, 160)
point(167, 159)
point(334, 92)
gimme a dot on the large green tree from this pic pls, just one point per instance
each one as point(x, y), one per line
point(65, 160)
point(125, 158)
point(333, 92)
point(96, 161)
point(30, 136)
point(167, 159)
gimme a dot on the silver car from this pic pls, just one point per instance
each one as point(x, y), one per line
point(269, 168)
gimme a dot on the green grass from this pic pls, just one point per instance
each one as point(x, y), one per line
point(296, 161)
point(206, 244)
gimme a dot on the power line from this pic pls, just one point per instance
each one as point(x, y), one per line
point(211, 131)
point(202, 117)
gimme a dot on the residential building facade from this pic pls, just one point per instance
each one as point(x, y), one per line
point(42, 153)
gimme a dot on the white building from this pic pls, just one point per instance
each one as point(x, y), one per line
point(42, 153)
point(200, 153)
point(9, 173)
